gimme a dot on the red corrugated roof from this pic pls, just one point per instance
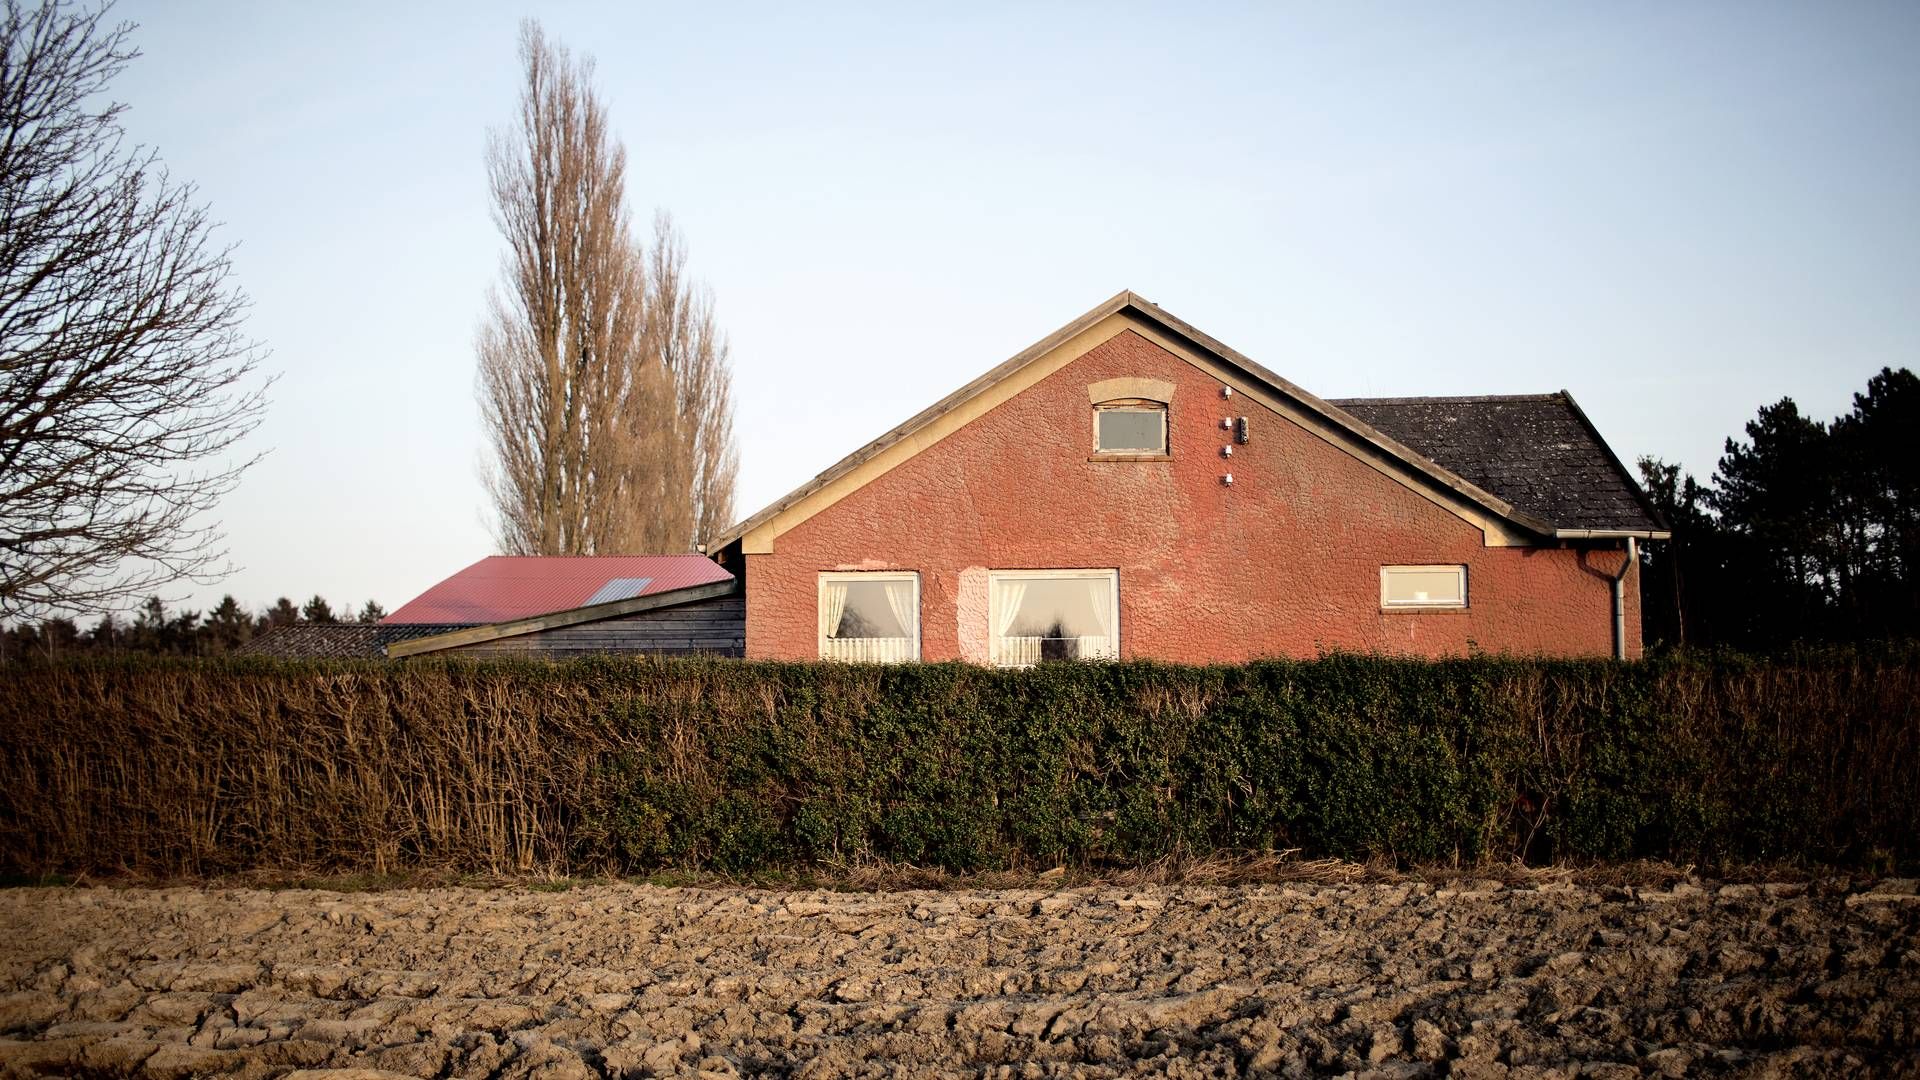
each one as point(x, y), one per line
point(503, 587)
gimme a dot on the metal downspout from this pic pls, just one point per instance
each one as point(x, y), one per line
point(1620, 599)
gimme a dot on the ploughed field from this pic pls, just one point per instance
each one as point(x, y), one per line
point(1406, 979)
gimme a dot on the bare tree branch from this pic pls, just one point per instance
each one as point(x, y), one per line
point(121, 356)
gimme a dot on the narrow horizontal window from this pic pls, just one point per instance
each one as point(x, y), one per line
point(1423, 586)
point(870, 618)
point(1054, 615)
point(1130, 427)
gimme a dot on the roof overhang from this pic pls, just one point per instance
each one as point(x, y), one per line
point(1502, 523)
point(1612, 534)
point(474, 635)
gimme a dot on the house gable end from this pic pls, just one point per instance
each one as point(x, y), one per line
point(1499, 522)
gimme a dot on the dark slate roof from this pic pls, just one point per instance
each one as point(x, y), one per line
point(1536, 451)
point(340, 641)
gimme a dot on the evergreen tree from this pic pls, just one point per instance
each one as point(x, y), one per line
point(1878, 449)
point(282, 613)
point(48, 639)
point(318, 610)
point(1777, 499)
point(61, 635)
point(228, 626)
point(1809, 531)
point(1680, 572)
point(148, 632)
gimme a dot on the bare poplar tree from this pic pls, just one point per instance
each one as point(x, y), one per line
point(603, 381)
point(683, 339)
point(123, 371)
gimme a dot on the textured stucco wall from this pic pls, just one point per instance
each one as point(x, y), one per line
point(1285, 562)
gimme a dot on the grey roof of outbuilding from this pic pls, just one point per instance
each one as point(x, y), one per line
point(1536, 451)
point(340, 641)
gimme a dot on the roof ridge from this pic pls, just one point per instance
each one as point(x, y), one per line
point(1448, 399)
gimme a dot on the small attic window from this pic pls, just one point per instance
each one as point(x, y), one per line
point(1130, 427)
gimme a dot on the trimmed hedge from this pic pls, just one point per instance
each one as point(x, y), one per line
point(634, 764)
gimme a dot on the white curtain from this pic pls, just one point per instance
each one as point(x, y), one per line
point(1100, 594)
point(900, 599)
point(1007, 592)
point(833, 603)
point(1007, 595)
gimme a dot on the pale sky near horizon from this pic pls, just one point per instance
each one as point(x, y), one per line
point(1677, 212)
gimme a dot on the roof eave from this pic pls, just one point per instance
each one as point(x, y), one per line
point(1639, 493)
point(1612, 534)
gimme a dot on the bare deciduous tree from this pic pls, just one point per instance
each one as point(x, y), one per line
point(123, 367)
point(603, 380)
point(683, 339)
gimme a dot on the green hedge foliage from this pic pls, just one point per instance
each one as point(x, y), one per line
point(629, 765)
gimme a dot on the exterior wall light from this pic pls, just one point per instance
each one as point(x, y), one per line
point(1227, 479)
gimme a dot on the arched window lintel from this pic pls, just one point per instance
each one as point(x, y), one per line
point(1110, 390)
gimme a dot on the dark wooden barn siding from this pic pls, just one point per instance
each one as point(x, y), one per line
point(706, 627)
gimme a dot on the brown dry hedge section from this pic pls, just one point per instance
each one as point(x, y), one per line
point(631, 765)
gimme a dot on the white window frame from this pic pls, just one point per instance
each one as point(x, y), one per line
point(1133, 405)
point(994, 577)
point(1458, 569)
point(826, 577)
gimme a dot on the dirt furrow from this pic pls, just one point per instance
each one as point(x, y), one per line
point(1469, 979)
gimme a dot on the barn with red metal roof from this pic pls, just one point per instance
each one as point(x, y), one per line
point(500, 588)
point(554, 606)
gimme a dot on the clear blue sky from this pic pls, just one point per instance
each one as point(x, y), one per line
point(1678, 212)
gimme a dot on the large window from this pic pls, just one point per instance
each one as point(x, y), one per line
point(872, 618)
point(1054, 615)
point(1130, 427)
point(1423, 586)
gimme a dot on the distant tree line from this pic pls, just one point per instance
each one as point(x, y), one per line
point(1807, 531)
point(154, 629)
